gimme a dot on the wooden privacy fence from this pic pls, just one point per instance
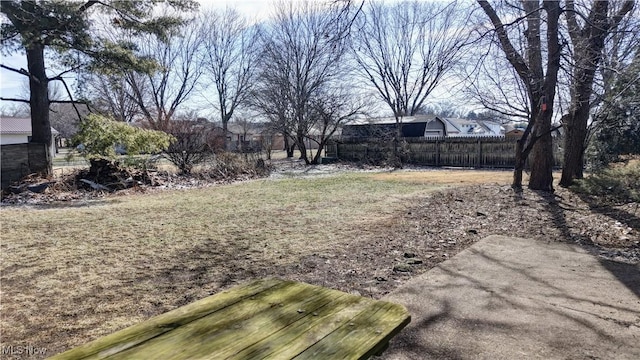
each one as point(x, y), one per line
point(459, 152)
point(20, 160)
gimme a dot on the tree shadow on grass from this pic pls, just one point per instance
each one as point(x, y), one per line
point(630, 219)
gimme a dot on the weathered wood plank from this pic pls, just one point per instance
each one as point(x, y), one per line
point(465, 152)
point(142, 332)
point(363, 336)
point(309, 333)
point(227, 332)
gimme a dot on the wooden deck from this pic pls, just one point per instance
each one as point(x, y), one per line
point(266, 319)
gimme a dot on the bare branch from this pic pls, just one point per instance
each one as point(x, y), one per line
point(405, 50)
point(516, 60)
point(72, 102)
point(21, 72)
point(82, 102)
point(15, 100)
point(88, 4)
point(159, 95)
point(301, 60)
point(230, 60)
point(75, 68)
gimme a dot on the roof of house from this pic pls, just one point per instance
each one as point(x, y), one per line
point(249, 129)
point(15, 125)
point(467, 126)
point(392, 120)
point(410, 129)
point(414, 126)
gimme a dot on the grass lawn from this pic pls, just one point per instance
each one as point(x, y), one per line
point(74, 272)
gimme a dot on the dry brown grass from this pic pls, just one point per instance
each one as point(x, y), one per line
point(450, 177)
point(73, 272)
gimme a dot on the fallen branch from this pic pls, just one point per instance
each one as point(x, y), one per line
point(95, 185)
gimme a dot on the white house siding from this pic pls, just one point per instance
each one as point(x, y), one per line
point(6, 139)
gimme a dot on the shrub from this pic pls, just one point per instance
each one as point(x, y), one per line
point(227, 166)
point(193, 143)
point(619, 183)
point(99, 136)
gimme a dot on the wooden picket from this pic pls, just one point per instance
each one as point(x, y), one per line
point(487, 152)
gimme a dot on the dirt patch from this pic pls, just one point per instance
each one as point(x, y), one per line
point(436, 228)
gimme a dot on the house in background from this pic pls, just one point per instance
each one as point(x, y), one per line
point(411, 127)
point(244, 137)
point(421, 126)
point(513, 132)
point(472, 128)
point(14, 130)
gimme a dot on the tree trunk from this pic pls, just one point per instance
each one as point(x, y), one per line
point(39, 102)
point(588, 54)
point(540, 87)
point(519, 166)
point(289, 148)
point(588, 42)
point(575, 136)
point(397, 159)
point(303, 149)
point(321, 145)
point(542, 161)
point(542, 164)
point(225, 131)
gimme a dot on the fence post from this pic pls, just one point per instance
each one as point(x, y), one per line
point(437, 153)
point(479, 153)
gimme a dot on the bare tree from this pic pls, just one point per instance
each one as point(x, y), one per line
point(588, 33)
point(539, 76)
point(332, 108)
point(14, 110)
point(269, 99)
point(493, 83)
point(64, 118)
point(446, 109)
point(406, 49)
point(230, 56)
point(110, 96)
point(159, 95)
point(302, 55)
